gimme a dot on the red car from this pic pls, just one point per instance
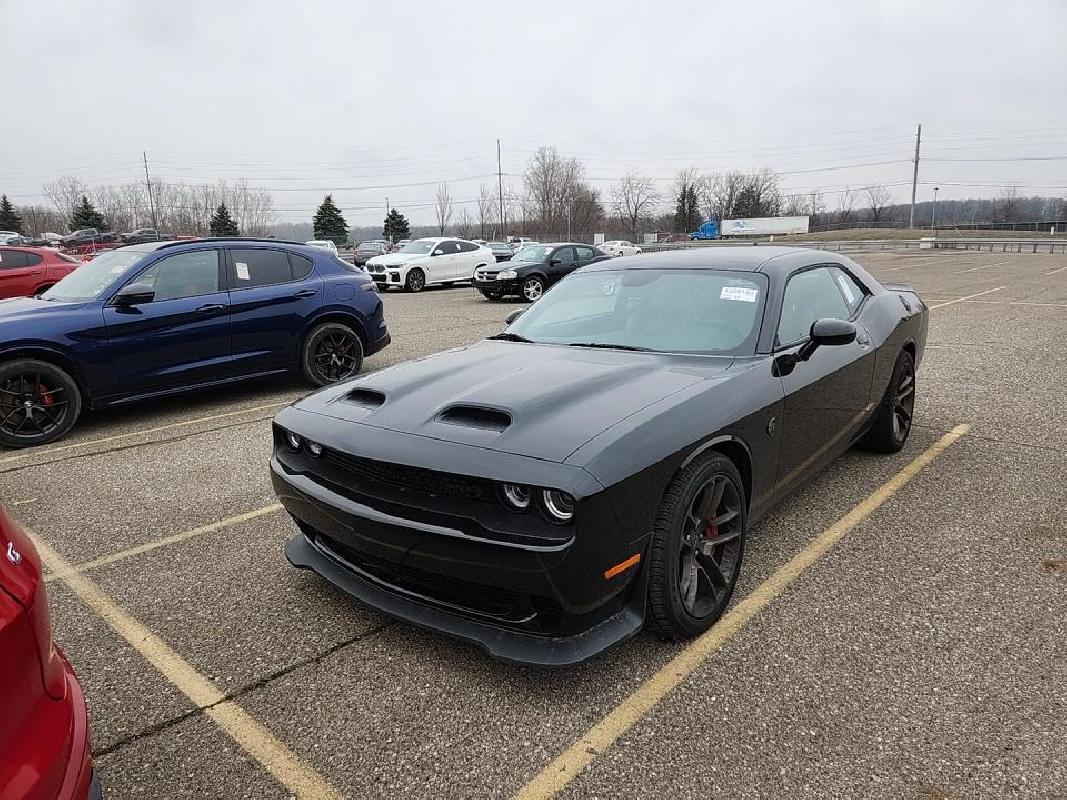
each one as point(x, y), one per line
point(26, 271)
point(44, 730)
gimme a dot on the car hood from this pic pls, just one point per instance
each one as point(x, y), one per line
point(395, 259)
point(18, 308)
point(541, 401)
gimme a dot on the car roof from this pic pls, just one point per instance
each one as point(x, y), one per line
point(770, 260)
point(27, 249)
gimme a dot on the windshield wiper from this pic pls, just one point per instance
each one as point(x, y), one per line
point(509, 337)
point(606, 346)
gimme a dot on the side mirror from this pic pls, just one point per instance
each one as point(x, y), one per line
point(827, 332)
point(437, 253)
point(514, 315)
point(134, 294)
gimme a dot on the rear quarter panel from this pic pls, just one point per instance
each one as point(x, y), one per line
point(893, 327)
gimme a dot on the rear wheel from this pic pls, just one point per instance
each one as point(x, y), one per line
point(332, 352)
point(416, 280)
point(39, 403)
point(697, 545)
point(892, 421)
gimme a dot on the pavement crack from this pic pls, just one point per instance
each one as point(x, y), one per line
point(159, 727)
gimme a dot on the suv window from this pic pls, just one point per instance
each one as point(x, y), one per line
point(851, 288)
point(301, 265)
point(585, 253)
point(260, 268)
point(183, 275)
point(467, 247)
point(810, 295)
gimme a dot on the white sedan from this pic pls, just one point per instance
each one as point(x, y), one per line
point(620, 248)
point(439, 260)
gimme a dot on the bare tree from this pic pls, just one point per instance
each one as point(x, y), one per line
point(817, 208)
point(553, 183)
point(795, 205)
point(634, 197)
point(465, 224)
point(879, 200)
point(488, 208)
point(1007, 206)
point(443, 207)
point(41, 219)
point(65, 193)
point(843, 215)
point(721, 191)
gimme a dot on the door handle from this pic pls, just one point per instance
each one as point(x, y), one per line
point(306, 293)
point(210, 308)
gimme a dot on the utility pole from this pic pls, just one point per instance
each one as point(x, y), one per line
point(500, 188)
point(915, 175)
point(387, 206)
point(148, 183)
point(933, 212)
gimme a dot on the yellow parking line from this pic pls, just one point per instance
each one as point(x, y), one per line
point(119, 436)
point(968, 297)
point(564, 769)
point(164, 541)
point(295, 775)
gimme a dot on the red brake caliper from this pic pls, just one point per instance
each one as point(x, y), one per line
point(46, 396)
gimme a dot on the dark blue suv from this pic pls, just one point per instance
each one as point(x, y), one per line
point(163, 317)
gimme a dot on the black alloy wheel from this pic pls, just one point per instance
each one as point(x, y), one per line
point(333, 352)
point(892, 421)
point(416, 280)
point(697, 548)
point(38, 403)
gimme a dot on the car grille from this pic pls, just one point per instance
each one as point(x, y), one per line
point(484, 275)
point(515, 609)
point(377, 268)
point(419, 479)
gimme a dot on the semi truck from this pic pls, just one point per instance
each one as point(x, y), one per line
point(752, 226)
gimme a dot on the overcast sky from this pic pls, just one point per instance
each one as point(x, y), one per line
point(366, 99)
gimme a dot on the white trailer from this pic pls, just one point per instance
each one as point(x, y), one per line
point(763, 226)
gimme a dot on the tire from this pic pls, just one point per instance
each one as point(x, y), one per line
point(673, 556)
point(532, 288)
point(491, 295)
point(892, 421)
point(43, 289)
point(416, 280)
point(332, 352)
point(55, 402)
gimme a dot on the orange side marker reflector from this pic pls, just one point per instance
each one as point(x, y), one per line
point(622, 566)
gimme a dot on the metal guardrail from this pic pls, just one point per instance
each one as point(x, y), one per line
point(853, 245)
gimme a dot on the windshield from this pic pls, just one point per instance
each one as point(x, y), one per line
point(419, 246)
point(91, 278)
point(676, 311)
point(532, 253)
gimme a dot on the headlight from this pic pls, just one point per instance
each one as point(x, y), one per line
point(559, 505)
point(293, 441)
point(506, 275)
point(517, 496)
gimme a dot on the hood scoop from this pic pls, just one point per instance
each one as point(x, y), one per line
point(480, 417)
point(367, 398)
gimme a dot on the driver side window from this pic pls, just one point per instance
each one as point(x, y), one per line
point(183, 275)
point(809, 295)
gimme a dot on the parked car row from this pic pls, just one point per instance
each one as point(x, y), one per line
point(27, 271)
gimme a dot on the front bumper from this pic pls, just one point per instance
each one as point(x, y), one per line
point(497, 287)
point(524, 590)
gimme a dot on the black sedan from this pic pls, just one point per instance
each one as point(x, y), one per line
point(597, 466)
point(533, 269)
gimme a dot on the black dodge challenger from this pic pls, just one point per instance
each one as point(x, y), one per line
point(546, 492)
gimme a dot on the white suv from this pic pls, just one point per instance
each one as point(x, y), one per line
point(620, 248)
point(441, 260)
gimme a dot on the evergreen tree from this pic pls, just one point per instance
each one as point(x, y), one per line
point(396, 226)
point(222, 223)
point(328, 222)
point(86, 216)
point(9, 217)
point(687, 209)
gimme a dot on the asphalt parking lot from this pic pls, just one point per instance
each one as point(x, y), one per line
point(923, 654)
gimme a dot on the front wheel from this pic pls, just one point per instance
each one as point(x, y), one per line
point(39, 403)
point(697, 544)
point(332, 352)
point(532, 288)
point(416, 280)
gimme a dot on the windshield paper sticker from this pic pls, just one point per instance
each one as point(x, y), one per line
point(739, 293)
point(242, 271)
